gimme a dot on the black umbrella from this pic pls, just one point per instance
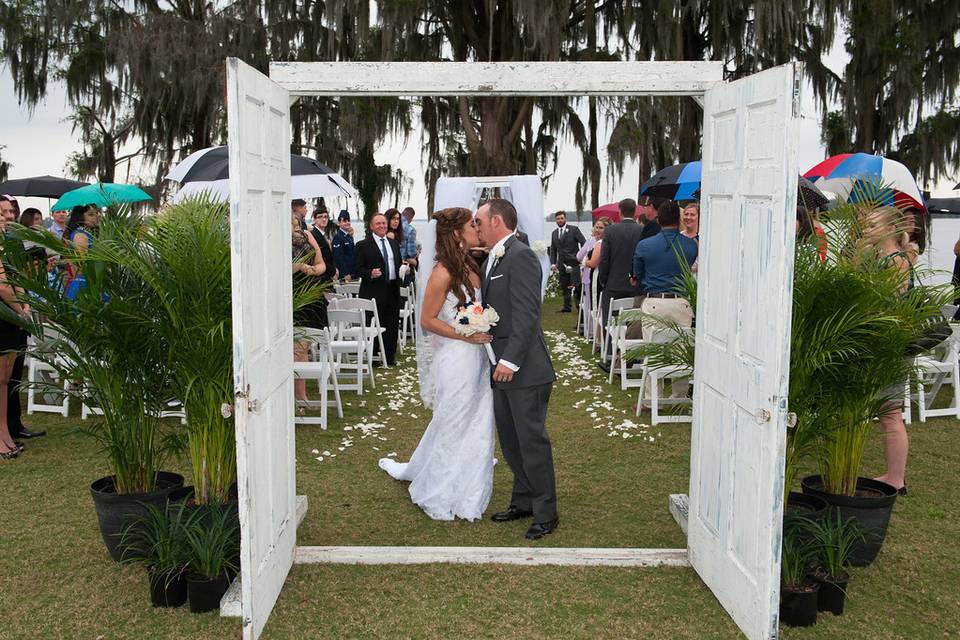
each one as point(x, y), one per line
point(678, 182)
point(40, 186)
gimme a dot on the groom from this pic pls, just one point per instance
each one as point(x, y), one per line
point(523, 377)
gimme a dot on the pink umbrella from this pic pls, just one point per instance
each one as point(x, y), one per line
point(611, 211)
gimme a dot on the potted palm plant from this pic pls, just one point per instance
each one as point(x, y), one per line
point(836, 539)
point(213, 539)
point(98, 342)
point(798, 594)
point(157, 541)
point(875, 324)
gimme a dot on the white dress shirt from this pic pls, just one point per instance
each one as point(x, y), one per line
point(383, 245)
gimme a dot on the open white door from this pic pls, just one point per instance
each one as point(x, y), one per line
point(743, 344)
point(259, 141)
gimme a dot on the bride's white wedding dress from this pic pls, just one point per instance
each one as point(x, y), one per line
point(451, 471)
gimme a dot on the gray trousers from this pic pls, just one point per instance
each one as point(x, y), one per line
point(521, 416)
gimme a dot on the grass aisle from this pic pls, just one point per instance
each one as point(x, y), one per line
point(56, 580)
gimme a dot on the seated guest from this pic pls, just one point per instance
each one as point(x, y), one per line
point(657, 265)
point(343, 248)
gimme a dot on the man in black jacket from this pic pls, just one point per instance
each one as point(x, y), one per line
point(564, 245)
point(616, 258)
point(378, 263)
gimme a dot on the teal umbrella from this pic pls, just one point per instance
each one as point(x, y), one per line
point(100, 194)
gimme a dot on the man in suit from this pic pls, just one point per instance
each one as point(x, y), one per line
point(522, 237)
point(616, 259)
point(564, 245)
point(378, 263)
point(523, 377)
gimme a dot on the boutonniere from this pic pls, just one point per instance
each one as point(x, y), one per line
point(498, 252)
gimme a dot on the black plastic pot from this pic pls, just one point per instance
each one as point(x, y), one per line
point(807, 506)
point(832, 593)
point(205, 593)
point(798, 605)
point(115, 511)
point(166, 589)
point(871, 509)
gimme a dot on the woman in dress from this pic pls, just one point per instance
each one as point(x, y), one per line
point(451, 471)
point(79, 235)
point(591, 261)
point(394, 225)
point(586, 273)
point(12, 340)
point(308, 266)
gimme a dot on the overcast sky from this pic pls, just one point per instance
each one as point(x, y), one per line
point(39, 143)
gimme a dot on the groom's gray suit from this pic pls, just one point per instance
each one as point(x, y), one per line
point(512, 288)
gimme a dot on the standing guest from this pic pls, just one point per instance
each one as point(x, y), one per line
point(565, 242)
point(955, 281)
point(322, 231)
point(648, 217)
point(299, 208)
point(59, 226)
point(79, 233)
point(13, 340)
point(690, 220)
point(892, 234)
point(522, 237)
point(343, 248)
point(378, 263)
point(658, 263)
point(308, 267)
point(589, 257)
point(408, 247)
point(394, 225)
point(616, 260)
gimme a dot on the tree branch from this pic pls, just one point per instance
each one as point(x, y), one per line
point(469, 130)
point(517, 127)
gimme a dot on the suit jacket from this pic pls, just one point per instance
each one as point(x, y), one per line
point(512, 288)
point(369, 258)
point(522, 237)
point(616, 258)
point(564, 250)
point(650, 229)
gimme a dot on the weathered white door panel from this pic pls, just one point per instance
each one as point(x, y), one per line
point(743, 343)
point(259, 143)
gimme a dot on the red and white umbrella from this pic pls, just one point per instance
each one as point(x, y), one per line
point(854, 176)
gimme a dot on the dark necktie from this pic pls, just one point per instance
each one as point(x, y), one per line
point(386, 260)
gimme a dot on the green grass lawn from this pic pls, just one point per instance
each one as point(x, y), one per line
point(56, 580)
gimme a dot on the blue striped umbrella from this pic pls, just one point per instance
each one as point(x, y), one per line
point(678, 182)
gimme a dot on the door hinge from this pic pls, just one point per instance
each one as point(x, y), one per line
point(244, 394)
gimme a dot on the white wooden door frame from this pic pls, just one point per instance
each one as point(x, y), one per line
point(357, 79)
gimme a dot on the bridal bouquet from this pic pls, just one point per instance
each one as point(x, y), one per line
point(476, 317)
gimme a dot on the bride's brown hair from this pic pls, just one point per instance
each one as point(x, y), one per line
point(459, 263)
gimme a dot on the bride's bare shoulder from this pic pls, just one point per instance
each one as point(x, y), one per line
point(439, 276)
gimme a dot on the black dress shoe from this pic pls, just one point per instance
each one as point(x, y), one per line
point(604, 366)
point(539, 529)
point(512, 513)
point(565, 311)
point(26, 433)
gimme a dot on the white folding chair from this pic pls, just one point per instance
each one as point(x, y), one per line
point(595, 311)
point(658, 375)
point(348, 289)
point(349, 340)
point(613, 329)
point(937, 369)
point(627, 380)
point(43, 381)
point(322, 368)
point(373, 331)
point(407, 306)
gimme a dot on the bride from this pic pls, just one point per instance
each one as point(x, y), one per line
point(451, 471)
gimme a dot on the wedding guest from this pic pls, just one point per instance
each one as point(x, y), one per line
point(59, 226)
point(308, 268)
point(394, 224)
point(565, 242)
point(522, 237)
point(408, 246)
point(80, 233)
point(690, 219)
point(648, 217)
point(13, 340)
point(299, 208)
point(887, 229)
point(589, 257)
point(343, 247)
point(657, 265)
point(378, 262)
point(322, 231)
point(616, 260)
